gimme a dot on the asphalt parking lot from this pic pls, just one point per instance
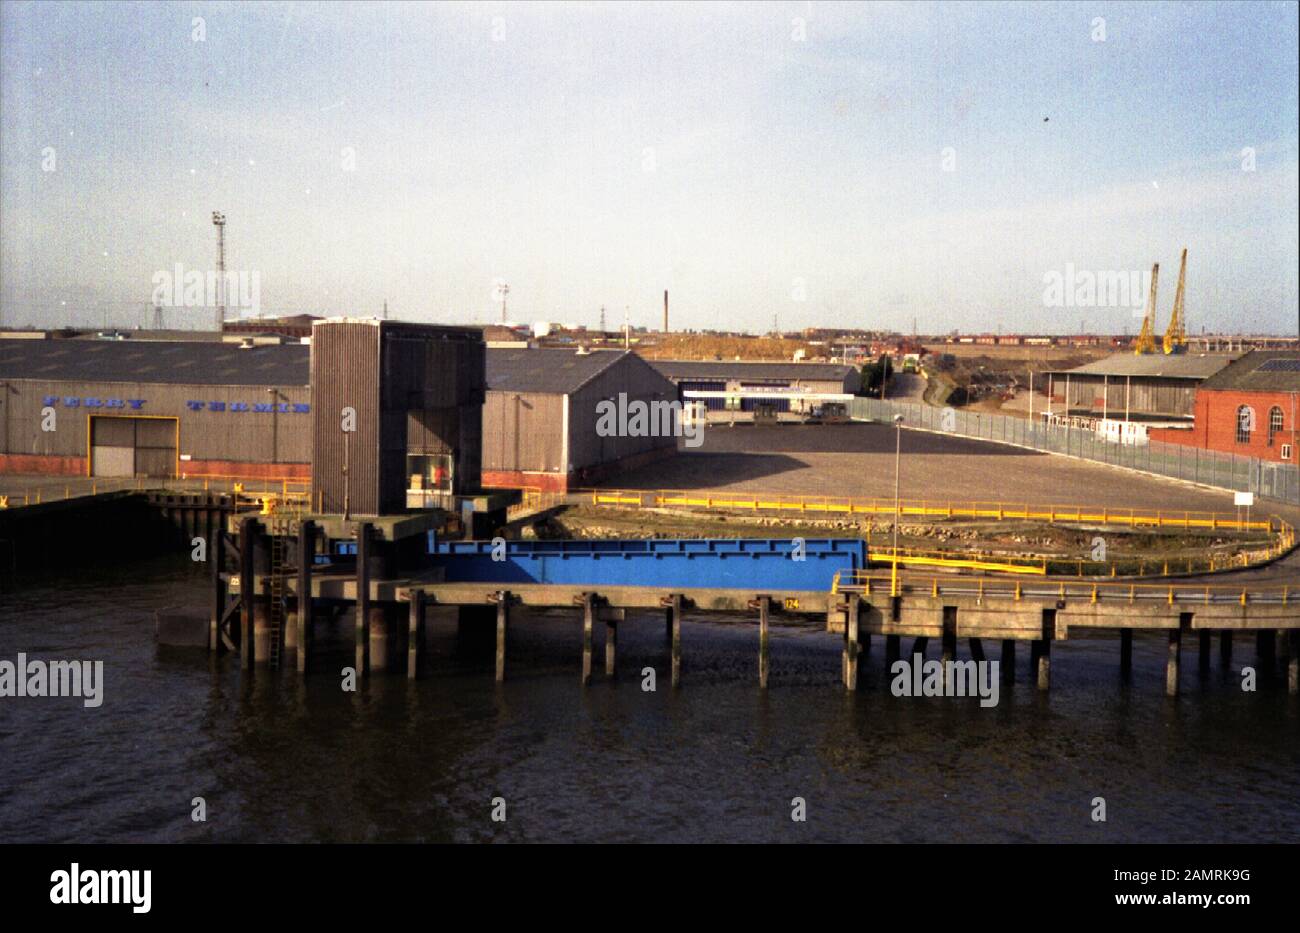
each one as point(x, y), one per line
point(858, 460)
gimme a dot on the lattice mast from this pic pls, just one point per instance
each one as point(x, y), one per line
point(1146, 341)
point(1176, 333)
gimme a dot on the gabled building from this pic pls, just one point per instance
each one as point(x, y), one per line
point(541, 421)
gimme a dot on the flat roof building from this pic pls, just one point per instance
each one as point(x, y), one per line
point(758, 377)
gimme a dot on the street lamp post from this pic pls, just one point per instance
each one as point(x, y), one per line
point(898, 463)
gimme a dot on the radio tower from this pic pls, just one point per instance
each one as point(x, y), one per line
point(505, 290)
point(219, 221)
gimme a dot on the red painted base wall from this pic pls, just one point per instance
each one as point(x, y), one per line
point(42, 463)
point(579, 479)
point(191, 469)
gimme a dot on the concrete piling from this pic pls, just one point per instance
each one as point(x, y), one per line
point(306, 556)
point(919, 646)
point(763, 606)
point(1171, 662)
point(1225, 648)
point(290, 645)
point(977, 650)
point(503, 621)
point(1265, 645)
point(362, 641)
point(1293, 662)
point(1125, 652)
point(261, 630)
point(588, 613)
point(1203, 651)
point(414, 633)
point(611, 647)
point(217, 591)
point(893, 646)
point(1045, 650)
point(247, 597)
point(851, 645)
point(379, 641)
point(675, 633)
point(1009, 660)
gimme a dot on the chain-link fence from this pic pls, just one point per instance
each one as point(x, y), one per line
point(1279, 481)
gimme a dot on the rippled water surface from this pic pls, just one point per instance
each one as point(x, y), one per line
point(279, 759)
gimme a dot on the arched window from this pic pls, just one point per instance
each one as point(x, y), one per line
point(1274, 422)
point(1245, 421)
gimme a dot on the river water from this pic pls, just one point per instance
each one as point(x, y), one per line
point(279, 759)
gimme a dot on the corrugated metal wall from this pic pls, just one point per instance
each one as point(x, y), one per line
point(523, 431)
point(1146, 395)
point(345, 374)
point(640, 381)
point(225, 426)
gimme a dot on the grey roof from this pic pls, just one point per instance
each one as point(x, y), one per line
point(740, 369)
point(1260, 371)
point(547, 370)
point(173, 362)
point(1195, 366)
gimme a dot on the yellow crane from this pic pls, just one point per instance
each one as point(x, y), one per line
point(1146, 341)
point(1176, 333)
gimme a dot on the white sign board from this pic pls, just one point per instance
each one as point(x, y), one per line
point(1243, 498)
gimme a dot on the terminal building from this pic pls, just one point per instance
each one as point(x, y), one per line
point(119, 408)
point(743, 386)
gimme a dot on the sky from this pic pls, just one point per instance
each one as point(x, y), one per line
point(810, 164)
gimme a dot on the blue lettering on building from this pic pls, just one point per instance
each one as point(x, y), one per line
point(135, 404)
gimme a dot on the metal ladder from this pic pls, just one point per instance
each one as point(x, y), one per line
point(280, 569)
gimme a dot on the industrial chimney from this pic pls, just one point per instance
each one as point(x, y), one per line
point(665, 310)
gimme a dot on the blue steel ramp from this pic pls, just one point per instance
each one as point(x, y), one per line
point(739, 563)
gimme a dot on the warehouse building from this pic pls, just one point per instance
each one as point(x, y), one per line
point(1129, 386)
point(753, 383)
point(193, 409)
point(156, 408)
point(540, 419)
point(1249, 408)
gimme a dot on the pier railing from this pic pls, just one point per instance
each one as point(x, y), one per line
point(1173, 593)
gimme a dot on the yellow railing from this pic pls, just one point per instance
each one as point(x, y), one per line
point(250, 490)
point(909, 557)
point(1170, 593)
point(925, 508)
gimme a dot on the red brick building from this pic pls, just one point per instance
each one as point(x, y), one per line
point(1249, 407)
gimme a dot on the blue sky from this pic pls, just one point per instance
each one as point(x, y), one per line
point(757, 160)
